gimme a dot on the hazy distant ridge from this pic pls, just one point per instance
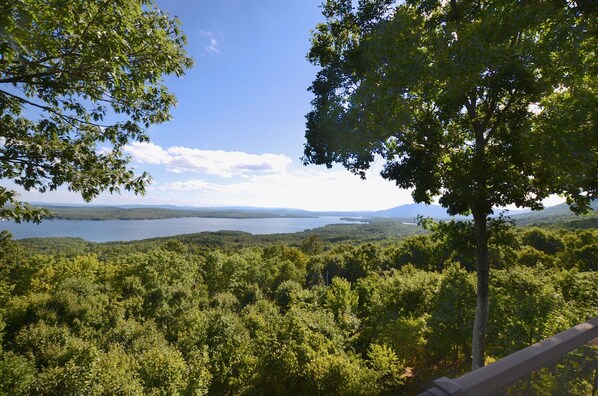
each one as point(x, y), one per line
point(139, 212)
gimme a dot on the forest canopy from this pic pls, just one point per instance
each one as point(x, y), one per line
point(177, 316)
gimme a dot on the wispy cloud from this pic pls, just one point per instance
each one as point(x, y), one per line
point(212, 46)
point(226, 164)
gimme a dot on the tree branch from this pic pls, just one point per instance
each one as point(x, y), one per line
point(478, 128)
point(49, 109)
point(91, 21)
point(23, 78)
point(6, 159)
point(490, 112)
point(498, 121)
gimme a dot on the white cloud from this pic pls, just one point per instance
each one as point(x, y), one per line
point(148, 153)
point(212, 47)
point(226, 164)
point(266, 180)
point(553, 200)
point(309, 188)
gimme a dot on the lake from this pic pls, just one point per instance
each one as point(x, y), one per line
point(129, 230)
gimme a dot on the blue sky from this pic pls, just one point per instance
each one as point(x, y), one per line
point(237, 135)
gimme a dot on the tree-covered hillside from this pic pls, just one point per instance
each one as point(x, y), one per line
point(305, 317)
point(151, 213)
point(560, 215)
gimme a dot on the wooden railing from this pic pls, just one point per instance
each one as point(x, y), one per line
point(509, 369)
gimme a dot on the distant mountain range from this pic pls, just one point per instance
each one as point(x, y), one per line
point(438, 212)
point(559, 214)
point(557, 210)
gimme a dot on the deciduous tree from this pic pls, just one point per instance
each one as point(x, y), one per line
point(481, 103)
point(78, 81)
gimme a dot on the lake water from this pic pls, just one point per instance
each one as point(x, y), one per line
point(129, 230)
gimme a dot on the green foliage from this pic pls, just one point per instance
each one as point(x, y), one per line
point(114, 373)
point(418, 251)
point(528, 312)
point(579, 291)
point(229, 348)
point(170, 318)
point(74, 76)
point(342, 375)
point(388, 367)
point(394, 309)
point(17, 374)
point(456, 242)
point(542, 240)
point(342, 301)
point(163, 371)
point(445, 93)
point(312, 244)
point(451, 319)
point(581, 250)
point(532, 257)
point(462, 102)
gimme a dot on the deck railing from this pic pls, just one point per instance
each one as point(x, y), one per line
point(509, 369)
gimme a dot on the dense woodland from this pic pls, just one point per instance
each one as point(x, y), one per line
point(229, 313)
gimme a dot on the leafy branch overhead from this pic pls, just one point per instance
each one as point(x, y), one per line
point(78, 81)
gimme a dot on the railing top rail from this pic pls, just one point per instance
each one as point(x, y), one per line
point(511, 368)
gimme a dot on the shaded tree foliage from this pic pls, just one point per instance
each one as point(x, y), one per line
point(462, 101)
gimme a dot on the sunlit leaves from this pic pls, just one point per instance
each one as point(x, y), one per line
point(150, 320)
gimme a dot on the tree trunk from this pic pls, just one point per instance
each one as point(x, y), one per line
point(478, 342)
point(466, 354)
